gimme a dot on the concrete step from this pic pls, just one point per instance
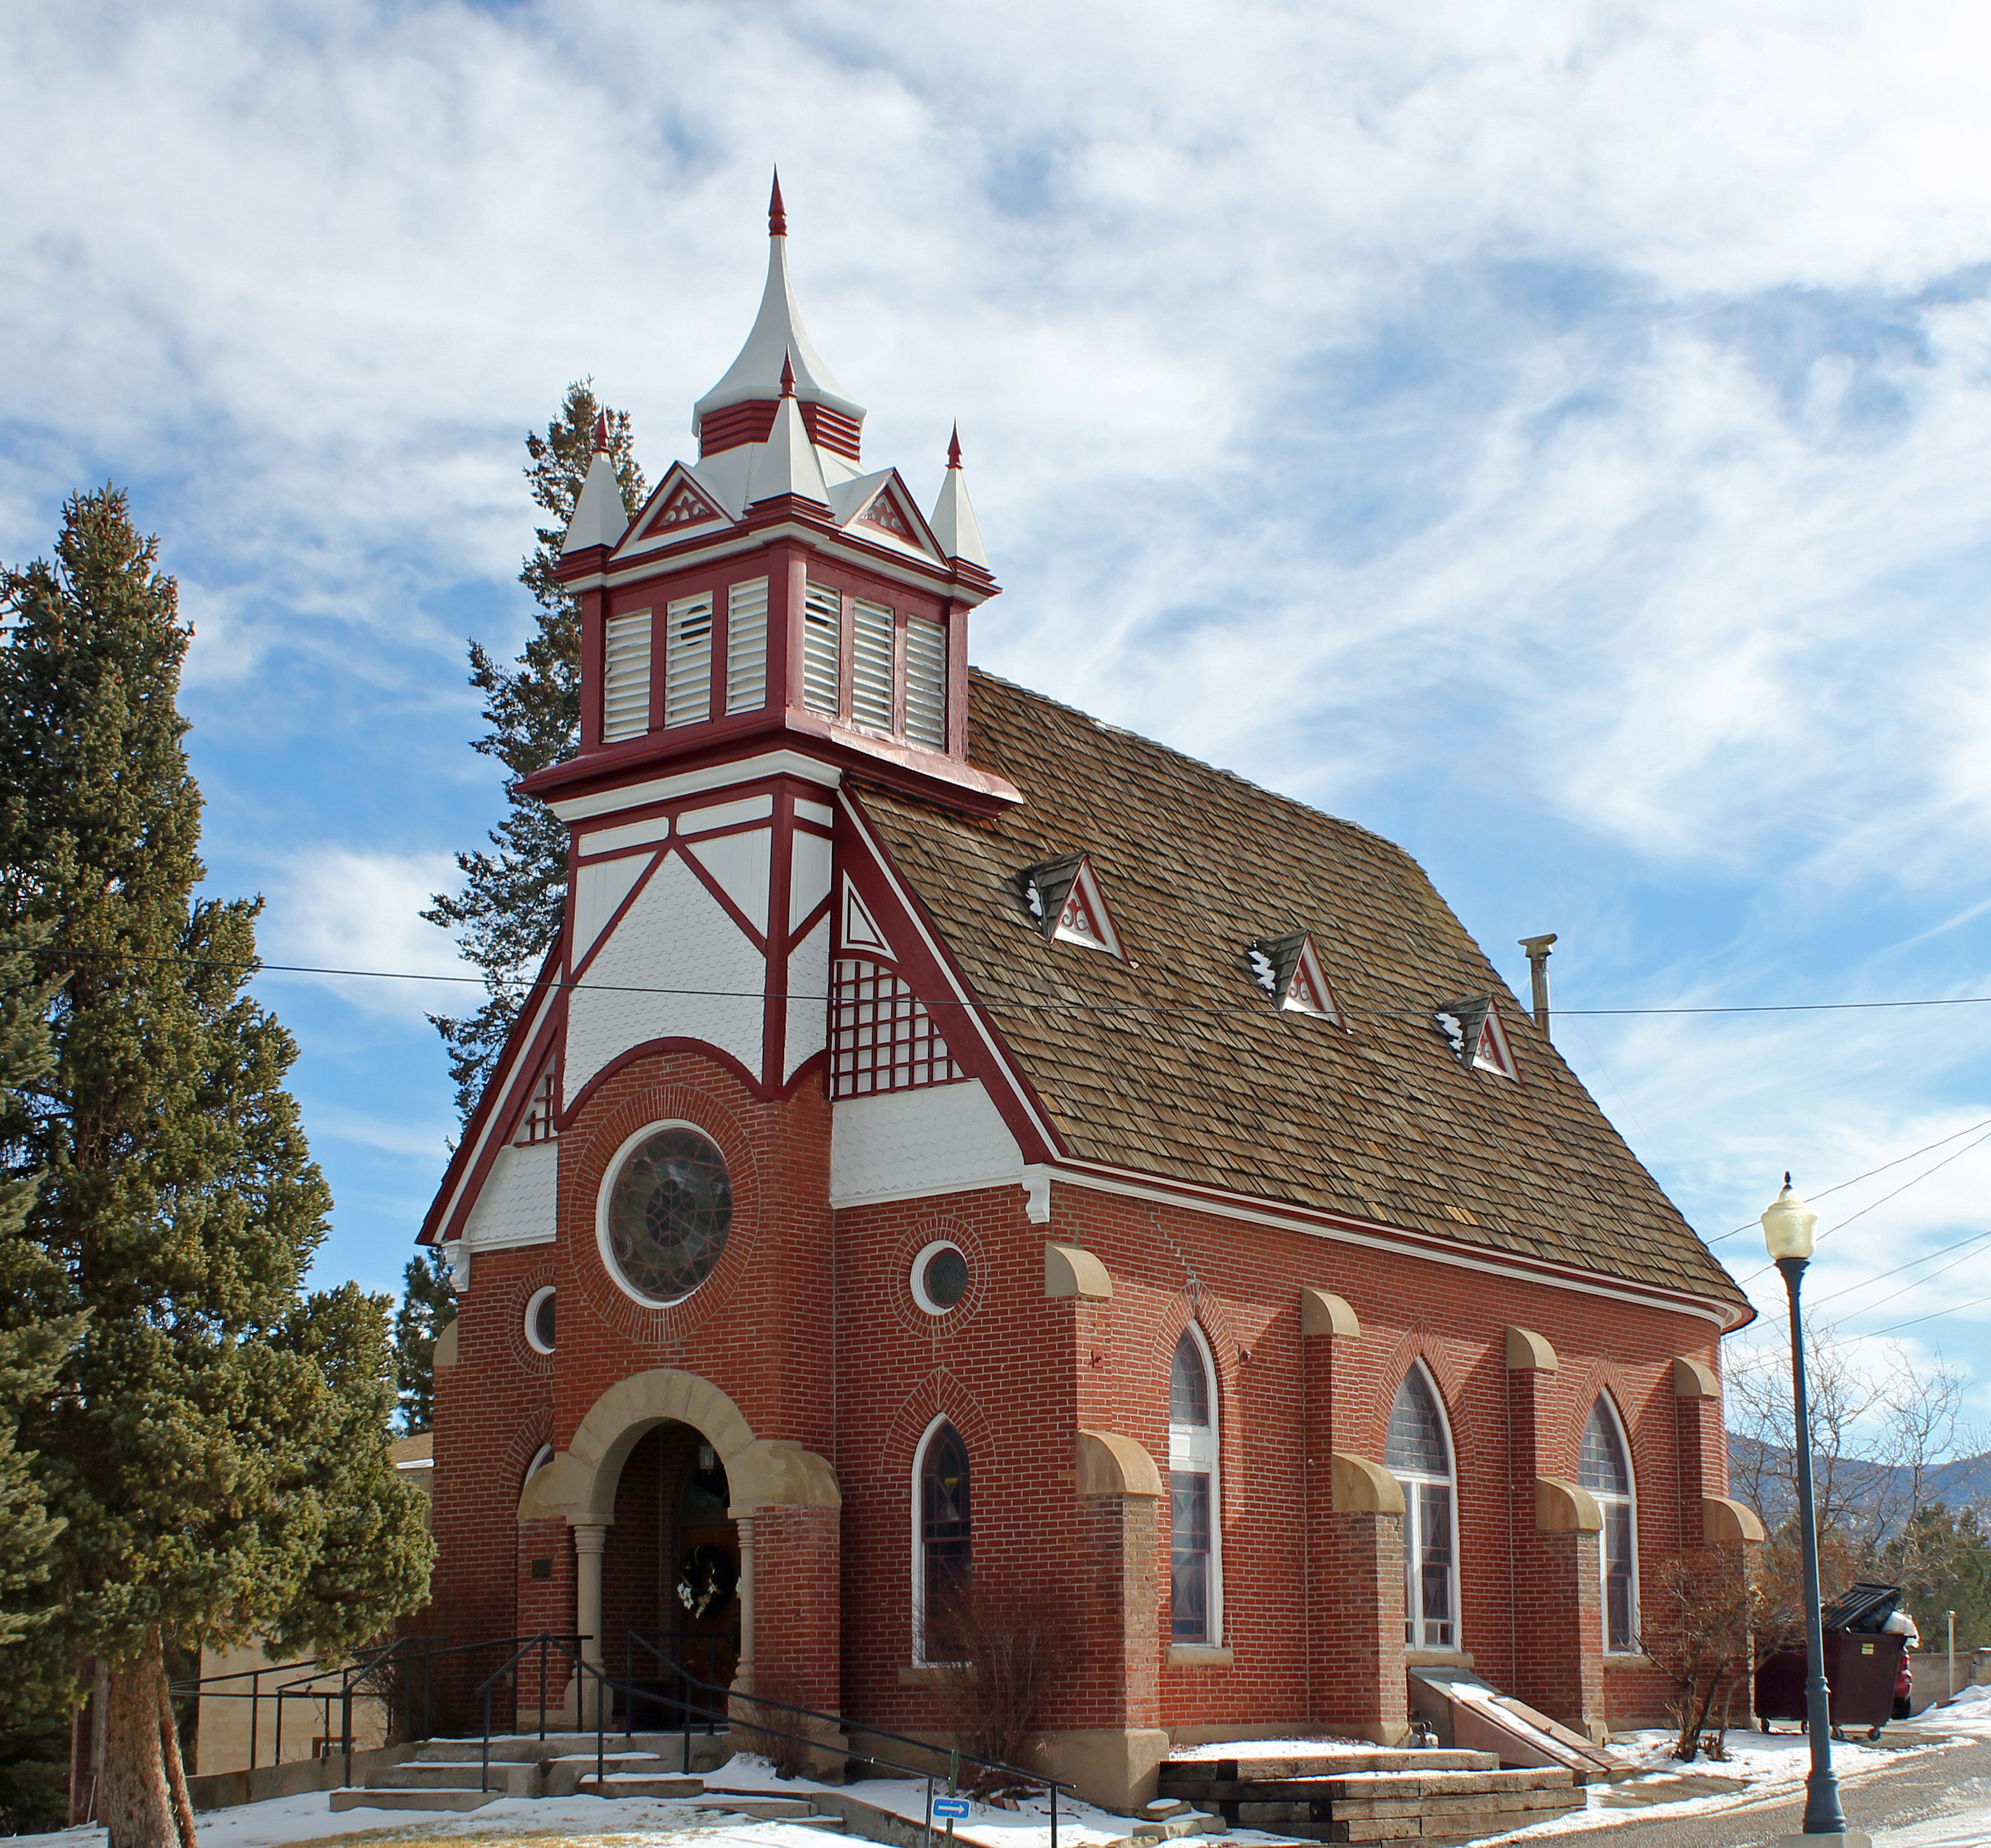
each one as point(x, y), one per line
point(637, 1783)
point(413, 1799)
point(761, 1809)
point(562, 1777)
point(504, 1777)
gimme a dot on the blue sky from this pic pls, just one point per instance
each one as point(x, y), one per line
point(1557, 436)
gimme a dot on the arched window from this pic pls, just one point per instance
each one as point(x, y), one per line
point(1196, 1599)
point(1606, 1472)
point(943, 1542)
point(1418, 1453)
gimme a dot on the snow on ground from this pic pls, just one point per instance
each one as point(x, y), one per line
point(1270, 1748)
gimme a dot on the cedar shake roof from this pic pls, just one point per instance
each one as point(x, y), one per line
point(1195, 1076)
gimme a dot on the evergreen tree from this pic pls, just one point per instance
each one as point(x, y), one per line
point(31, 1342)
point(428, 1306)
point(508, 911)
point(217, 1442)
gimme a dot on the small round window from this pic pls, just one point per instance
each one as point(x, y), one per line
point(539, 1321)
point(940, 1277)
point(668, 1210)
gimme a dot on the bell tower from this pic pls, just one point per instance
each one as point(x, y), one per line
point(775, 619)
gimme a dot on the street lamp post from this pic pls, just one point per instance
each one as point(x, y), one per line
point(1786, 1230)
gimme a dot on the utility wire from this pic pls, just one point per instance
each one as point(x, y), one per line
point(1881, 1276)
point(1933, 1315)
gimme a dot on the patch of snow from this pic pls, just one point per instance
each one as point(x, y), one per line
point(1036, 900)
point(1454, 1029)
point(1271, 1748)
point(1261, 970)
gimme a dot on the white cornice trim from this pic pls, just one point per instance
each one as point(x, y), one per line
point(1384, 1238)
point(843, 1201)
point(694, 782)
point(923, 575)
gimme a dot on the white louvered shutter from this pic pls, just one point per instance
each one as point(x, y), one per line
point(823, 648)
point(688, 660)
point(871, 666)
point(925, 682)
point(625, 676)
point(746, 646)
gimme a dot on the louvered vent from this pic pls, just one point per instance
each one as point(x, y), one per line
point(688, 661)
point(823, 648)
point(746, 647)
point(625, 677)
point(871, 666)
point(925, 682)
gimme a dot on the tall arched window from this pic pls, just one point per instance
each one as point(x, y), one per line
point(943, 1542)
point(1606, 1472)
point(1418, 1453)
point(1196, 1596)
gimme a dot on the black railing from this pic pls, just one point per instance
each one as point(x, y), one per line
point(707, 1699)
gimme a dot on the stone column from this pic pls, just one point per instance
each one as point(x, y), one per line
point(590, 1537)
point(742, 1675)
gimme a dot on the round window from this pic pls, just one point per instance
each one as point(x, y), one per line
point(940, 1277)
point(668, 1210)
point(539, 1321)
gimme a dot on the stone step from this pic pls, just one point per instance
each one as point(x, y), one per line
point(1177, 1775)
point(1173, 1828)
point(762, 1809)
point(413, 1799)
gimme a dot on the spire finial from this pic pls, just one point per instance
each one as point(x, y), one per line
point(1787, 1177)
point(602, 433)
point(777, 216)
point(787, 376)
point(954, 448)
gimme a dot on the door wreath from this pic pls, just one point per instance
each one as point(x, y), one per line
point(706, 1576)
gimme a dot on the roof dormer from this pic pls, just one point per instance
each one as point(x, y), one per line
point(1288, 969)
point(1065, 902)
point(1473, 1028)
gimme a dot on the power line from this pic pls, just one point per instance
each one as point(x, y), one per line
point(1933, 1315)
point(1881, 1276)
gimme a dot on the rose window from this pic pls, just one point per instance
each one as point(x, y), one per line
point(669, 1212)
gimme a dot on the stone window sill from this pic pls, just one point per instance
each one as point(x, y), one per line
point(1629, 1662)
point(1200, 1655)
point(935, 1674)
point(1437, 1658)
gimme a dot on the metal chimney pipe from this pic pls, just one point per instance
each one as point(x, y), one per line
point(1538, 971)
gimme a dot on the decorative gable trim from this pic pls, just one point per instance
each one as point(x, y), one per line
point(858, 929)
point(1065, 902)
point(1288, 969)
point(680, 505)
point(1473, 1028)
point(887, 515)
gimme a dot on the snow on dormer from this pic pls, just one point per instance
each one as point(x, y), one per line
point(1288, 969)
point(1473, 1028)
point(1063, 899)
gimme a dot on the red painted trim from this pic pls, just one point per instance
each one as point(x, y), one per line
point(727, 428)
point(634, 558)
point(576, 972)
point(674, 1043)
point(780, 862)
point(799, 933)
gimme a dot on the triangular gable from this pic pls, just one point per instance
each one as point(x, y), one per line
point(1065, 902)
point(537, 1117)
point(858, 930)
point(1472, 1027)
point(680, 504)
point(1288, 969)
point(878, 507)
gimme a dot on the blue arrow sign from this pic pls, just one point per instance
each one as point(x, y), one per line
point(951, 1806)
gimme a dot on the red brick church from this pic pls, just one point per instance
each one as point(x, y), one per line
point(956, 1143)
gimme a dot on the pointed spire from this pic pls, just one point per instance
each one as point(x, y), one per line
point(787, 463)
point(787, 376)
point(599, 516)
point(778, 335)
point(954, 523)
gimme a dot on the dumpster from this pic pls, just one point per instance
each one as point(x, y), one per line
point(1863, 1662)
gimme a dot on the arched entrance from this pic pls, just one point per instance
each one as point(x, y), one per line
point(670, 1573)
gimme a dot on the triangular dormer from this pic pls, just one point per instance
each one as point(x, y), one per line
point(1065, 902)
point(679, 505)
point(1288, 969)
point(1473, 1028)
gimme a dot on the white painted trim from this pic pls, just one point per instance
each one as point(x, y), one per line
point(1211, 1465)
point(542, 1294)
point(1413, 1525)
point(500, 1105)
point(919, 1575)
point(610, 1175)
point(631, 835)
point(724, 814)
point(1188, 1193)
point(735, 543)
point(693, 782)
point(839, 1202)
point(1606, 1499)
point(916, 1280)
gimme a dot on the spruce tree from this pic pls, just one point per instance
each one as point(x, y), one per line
point(509, 912)
point(428, 1306)
point(217, 1442)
